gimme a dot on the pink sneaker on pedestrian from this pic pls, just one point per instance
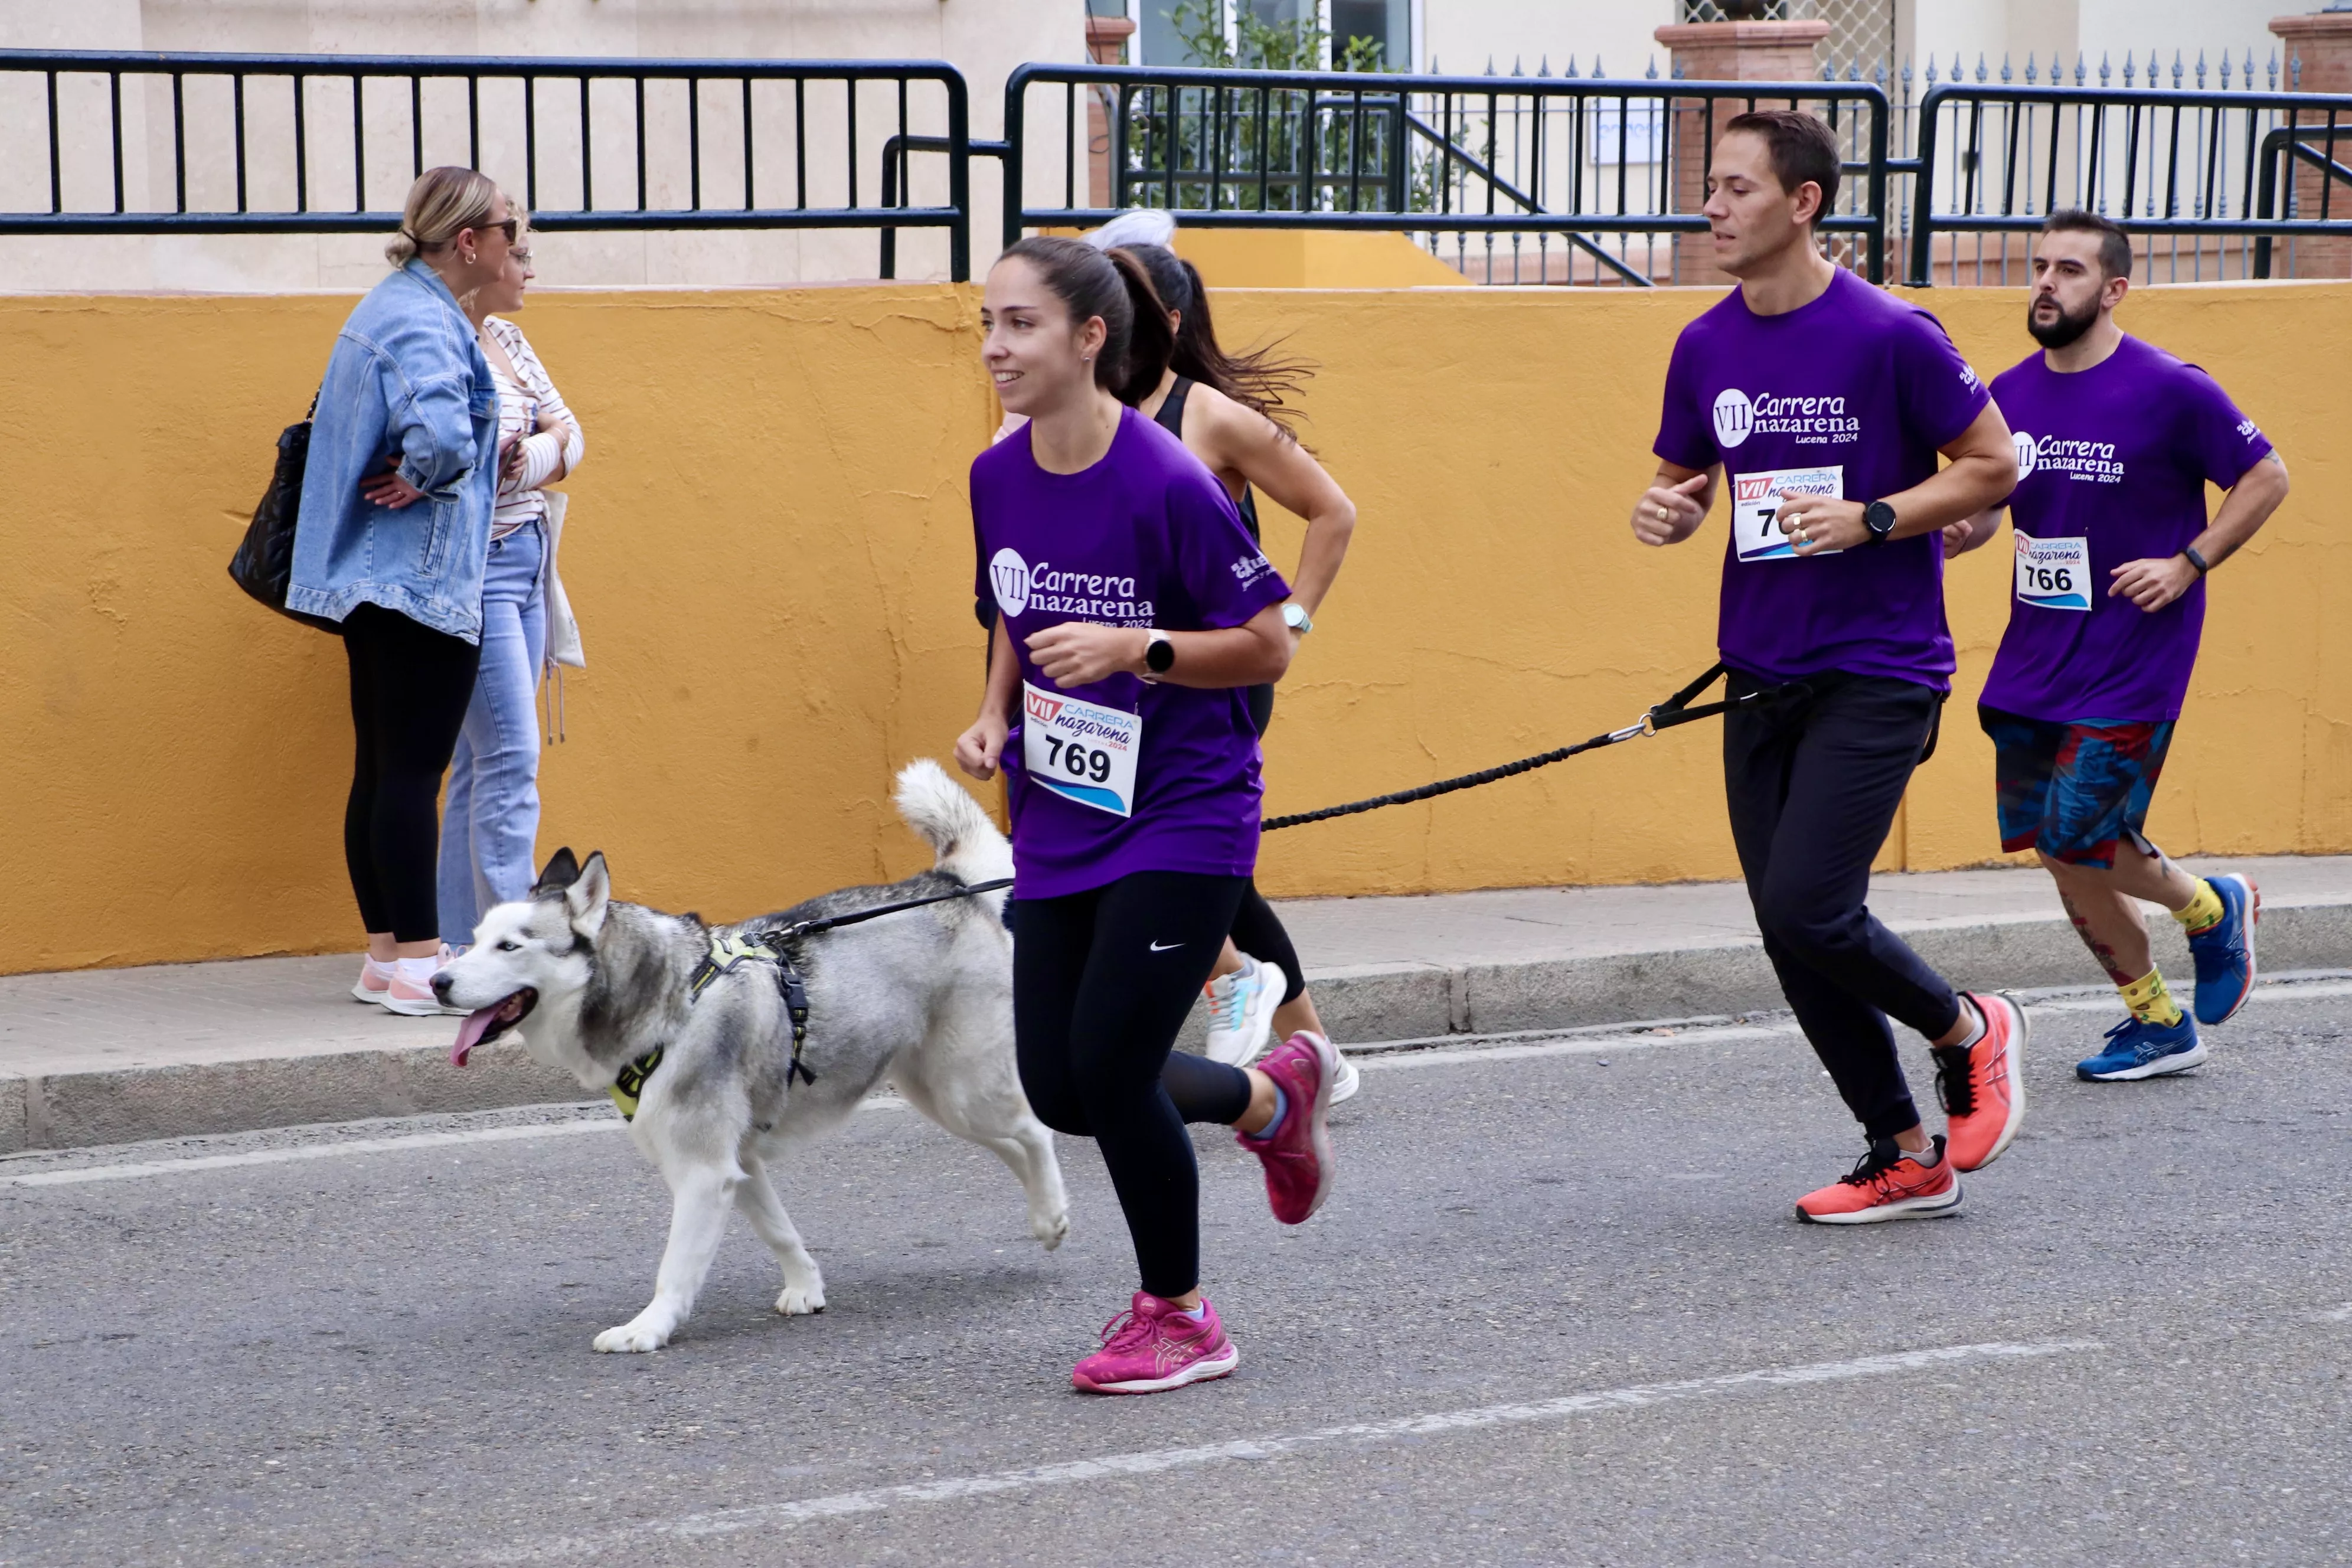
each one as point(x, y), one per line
point(374, 982)
point(1297, 1157)
point(1155, 1346)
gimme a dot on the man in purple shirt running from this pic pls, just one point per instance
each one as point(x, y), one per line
point(1828, 401)
point(2117, 441)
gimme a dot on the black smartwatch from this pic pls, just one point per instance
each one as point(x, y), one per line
point(1158, 654)
point(1879, 518)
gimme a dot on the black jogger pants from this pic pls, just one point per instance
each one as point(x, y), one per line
point(1812, 785)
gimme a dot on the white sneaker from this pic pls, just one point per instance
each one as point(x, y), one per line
point(1241, 1012)
point(410, 999)
point(374, 982)
point(1346, 1080)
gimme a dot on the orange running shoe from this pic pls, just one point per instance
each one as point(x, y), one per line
point(1887, 1183)
point(1983, 1086)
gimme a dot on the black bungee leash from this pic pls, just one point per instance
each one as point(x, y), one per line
point(1675, 710)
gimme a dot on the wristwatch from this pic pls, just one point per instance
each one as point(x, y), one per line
point(1879, 518)
point(1295, 617)
point(1159, 655)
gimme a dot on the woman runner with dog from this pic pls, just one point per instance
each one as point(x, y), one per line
point(1133, 611)
point(1228, 411)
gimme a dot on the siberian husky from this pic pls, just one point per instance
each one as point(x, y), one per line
point(922, 998)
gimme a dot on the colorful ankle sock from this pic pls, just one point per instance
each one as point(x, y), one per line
point(2149, 1001)
point(1281, 1106)
point(2202, 911)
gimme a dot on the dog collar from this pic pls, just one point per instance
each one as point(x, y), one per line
point(629, 1083)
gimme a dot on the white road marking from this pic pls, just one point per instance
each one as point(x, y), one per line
point(1513, 1046)
point(1152, 1461)
point(2294, 991)
point(131, 1170)
point(2341, 1315)
point(306, 1152)
point(1585, 1045)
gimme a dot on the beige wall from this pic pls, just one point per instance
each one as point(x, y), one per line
point(770, 551)
point(1994, 28)
point(985, 39)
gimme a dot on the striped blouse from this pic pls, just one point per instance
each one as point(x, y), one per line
point(546, 453)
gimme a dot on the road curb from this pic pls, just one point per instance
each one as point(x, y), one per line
point(1382, 1002)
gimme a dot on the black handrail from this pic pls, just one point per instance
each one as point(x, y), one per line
point(895, 176)
point(2131, 163)
point(2293, 143)
point(580, 72)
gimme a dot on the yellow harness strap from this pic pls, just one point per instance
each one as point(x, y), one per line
point(629, 1083)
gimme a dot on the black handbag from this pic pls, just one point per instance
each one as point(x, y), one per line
point(263, 562)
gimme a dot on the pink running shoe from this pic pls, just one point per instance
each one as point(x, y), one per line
point(1155, 1346)
point(1297, 1158)
point(374, 982)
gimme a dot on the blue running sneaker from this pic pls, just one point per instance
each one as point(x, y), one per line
point(2224, 952)
point(2137, 1050)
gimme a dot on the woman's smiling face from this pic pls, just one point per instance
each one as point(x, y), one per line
point(1036, 356)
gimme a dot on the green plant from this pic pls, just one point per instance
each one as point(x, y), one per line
point(1254, 42)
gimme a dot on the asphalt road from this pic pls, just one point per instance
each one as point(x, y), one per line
point(1558, 1311)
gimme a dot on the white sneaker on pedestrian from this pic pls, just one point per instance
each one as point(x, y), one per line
point(1346, 1080)
point(374, 982)
point(1241, 1011)
point(411, 991)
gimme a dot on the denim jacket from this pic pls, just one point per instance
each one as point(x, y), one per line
point(406, 380)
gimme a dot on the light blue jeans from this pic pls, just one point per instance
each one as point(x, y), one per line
point(489, 826)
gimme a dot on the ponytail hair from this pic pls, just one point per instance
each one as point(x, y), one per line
point(1259, 379)
point(1137, 343)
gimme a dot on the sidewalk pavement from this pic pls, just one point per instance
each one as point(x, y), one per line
point(120, 1055)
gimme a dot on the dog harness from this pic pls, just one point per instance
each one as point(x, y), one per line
point(729, 953)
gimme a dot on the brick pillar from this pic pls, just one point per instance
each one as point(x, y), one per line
point(2324, 44)
point(1105, 46)
point(1724, 51)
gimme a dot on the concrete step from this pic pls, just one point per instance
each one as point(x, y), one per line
point(118, 1056)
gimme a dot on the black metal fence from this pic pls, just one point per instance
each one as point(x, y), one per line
point(223, 143)
point(1562, 179)
point(1508, 179)
point(2210, 184)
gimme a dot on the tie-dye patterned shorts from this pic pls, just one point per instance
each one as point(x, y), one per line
point(2072, 790)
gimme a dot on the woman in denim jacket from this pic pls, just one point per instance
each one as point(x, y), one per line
point(394, 522)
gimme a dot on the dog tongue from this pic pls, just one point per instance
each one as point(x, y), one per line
point(470, 1032)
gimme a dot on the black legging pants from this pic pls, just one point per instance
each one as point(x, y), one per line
point(1255, 931)
point(410, 686)
point(1101, 983)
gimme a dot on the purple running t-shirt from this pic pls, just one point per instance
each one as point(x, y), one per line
point(2112, 466)
point(1125, 775)
point(1850, 395)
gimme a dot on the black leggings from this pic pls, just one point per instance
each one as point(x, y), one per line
point(410, 686)
point(1101, 983)
point(1255, 931)
point(1813, 786)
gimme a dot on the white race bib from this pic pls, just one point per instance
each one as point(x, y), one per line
point(1756, 500)
point(1081, 749)
point(2054, 574)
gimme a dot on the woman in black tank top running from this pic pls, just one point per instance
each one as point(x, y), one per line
point(1228, 409)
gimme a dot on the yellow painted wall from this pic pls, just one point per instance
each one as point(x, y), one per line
point(1304, 258)
point(769, 553)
